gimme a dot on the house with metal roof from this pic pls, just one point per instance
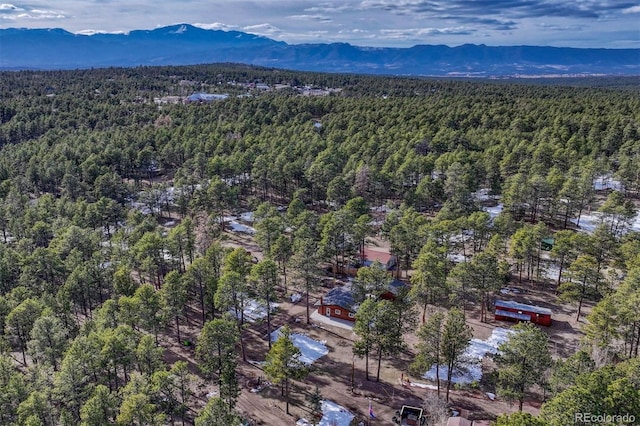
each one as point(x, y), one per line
point(507, 310)
point(338, 303)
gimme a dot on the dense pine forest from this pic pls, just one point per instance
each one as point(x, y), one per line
point(115, 237)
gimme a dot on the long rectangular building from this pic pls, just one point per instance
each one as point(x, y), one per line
point(507, 310)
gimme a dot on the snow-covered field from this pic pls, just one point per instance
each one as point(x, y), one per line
point(255, 311)
point(310, 349)
point(471, 367)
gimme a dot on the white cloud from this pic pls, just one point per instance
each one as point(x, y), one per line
point(328, 8)
point(317, 18)
point(33, 14)
point(306, 36)
point(93, 32)
point(42, 14)
point(8, 6)
point(216, 26)
point(555, 27)
point(262, 29)
point(409, 33)
point(375, 23)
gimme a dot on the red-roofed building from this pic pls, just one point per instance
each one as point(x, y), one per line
point(513, 311)
point(369, 256)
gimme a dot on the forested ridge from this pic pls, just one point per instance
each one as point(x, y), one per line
point(93, 282)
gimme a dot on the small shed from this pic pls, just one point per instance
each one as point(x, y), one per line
point(394, 288)
point(514, 311)
point(547, 244)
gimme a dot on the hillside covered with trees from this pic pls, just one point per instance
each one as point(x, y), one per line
point(114, 231)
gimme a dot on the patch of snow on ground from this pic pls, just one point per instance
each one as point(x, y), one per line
point(332, 321)
point(457, 258)
point(381, 209)
point(470, 369)
point(247, 217)
point(606, 182)
point(482, 195)
point(334, 415)
point(499, 336)
point(552, 272)
point(144, 209)
point(310, 349)
point(423, 385)
point(296, 297)
point(588, 222)
point(494, 211)
point(244, 229)
point(461, 238)
point(255, 311)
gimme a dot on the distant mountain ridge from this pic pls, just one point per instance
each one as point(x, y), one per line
point(187, 45)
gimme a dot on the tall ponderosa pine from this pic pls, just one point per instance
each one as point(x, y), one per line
point(217, 413)
point(100, 409)
point(231, 296)
point(585, 278)
point(522, 361)
point(456, 335)
point(429, 347)
point(264, 275)
point(216, 344)
point(48, 340)
point(305, 264)
point(429, 279)
point(283, 363)
point(174, 298)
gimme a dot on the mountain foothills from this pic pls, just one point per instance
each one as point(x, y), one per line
point(166, 233)
point(186, 44)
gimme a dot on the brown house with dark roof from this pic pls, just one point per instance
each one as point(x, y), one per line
point(338, 303)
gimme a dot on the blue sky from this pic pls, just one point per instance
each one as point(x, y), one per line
point(397, 23)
